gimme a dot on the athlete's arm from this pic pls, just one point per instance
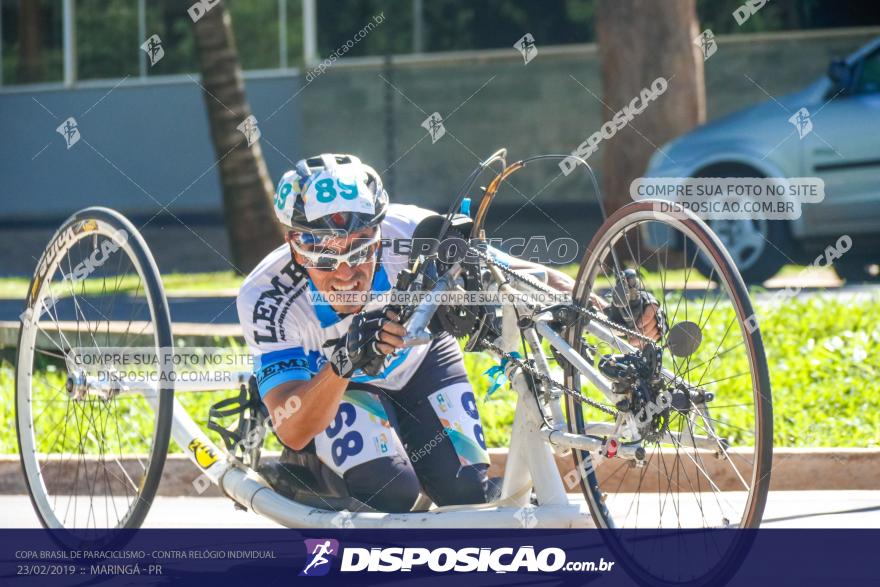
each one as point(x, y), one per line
point(298, 421)
point(316, 400)
point(555, 278)
point(561, 282)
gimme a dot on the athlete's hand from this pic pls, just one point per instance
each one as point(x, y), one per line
point(645, 316)
point(647, 319)
point(649, 323)
point(371, 336)
point(391, 335)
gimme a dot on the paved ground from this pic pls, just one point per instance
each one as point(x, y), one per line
point(785, 509)
point(201, 309)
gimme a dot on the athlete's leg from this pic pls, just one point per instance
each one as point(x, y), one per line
point(440, 427)
point(362, 447)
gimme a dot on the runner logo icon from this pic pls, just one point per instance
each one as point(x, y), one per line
point(320, 554)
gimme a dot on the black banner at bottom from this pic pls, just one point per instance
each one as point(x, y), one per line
point(439, 557)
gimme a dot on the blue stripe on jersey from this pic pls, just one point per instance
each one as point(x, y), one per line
point(277, 367)
point(380, 280)
point(294, 364)
point(325, 313)
point(273, 369)
point(327, 316)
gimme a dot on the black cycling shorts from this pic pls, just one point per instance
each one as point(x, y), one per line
point(388, 445)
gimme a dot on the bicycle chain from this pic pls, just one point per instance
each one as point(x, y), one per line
point(530, 281)
point(524, 366)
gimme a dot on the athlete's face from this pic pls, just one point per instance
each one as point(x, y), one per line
point(345, 277)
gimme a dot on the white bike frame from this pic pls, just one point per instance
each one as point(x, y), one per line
point(538, 430)
point(530, 464)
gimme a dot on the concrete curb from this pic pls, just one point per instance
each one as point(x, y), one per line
point(793, 469)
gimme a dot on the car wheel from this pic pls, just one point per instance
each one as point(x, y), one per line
point(759, 247)
point(756, 247)
point(854, 269)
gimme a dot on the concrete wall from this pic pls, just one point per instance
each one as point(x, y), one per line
point(547, 106)
point(143, 146)
point(156, 136)
point(486, 103)
point(142, 143)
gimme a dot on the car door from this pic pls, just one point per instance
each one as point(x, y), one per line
point(843, 149)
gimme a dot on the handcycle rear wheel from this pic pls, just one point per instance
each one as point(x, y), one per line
point(723, 394)
point(92, 451)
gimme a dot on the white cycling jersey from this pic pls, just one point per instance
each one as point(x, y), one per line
point(285, 331)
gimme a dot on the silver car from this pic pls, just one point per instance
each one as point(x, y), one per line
point(842, 148)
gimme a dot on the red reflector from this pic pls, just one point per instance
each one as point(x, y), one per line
point(612, 448)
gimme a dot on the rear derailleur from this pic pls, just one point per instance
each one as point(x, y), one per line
point(648, 397)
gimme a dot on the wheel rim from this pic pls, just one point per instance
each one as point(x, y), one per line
point(745, 240)
point(90, 460)
point(677, 487)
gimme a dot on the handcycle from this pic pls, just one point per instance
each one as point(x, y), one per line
point(663, 434)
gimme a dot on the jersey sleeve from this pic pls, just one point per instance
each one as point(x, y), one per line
point(274, 362)
point(292, 364)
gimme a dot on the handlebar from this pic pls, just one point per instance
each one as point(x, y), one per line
point(417, 325)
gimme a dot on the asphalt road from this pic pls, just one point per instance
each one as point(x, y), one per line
point(201, 309)
point(785, 509)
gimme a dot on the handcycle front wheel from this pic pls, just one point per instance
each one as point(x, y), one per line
point(92, 440)
point(707, 450)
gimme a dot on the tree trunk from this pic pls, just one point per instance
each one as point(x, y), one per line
point(640, 41)
point(30, 65)
point(792, 15)
point(247, 190)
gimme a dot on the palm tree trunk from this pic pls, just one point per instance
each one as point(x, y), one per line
point(640, 41)
point(30, 66)
point(247, 190)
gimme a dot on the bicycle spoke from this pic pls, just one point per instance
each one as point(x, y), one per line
point(86, 443)
point(682, 482)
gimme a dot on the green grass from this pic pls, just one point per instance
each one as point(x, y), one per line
point(824, 369)
point(224, 281)
point(175, 283)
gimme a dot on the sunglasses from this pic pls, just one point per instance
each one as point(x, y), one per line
point(323, 261)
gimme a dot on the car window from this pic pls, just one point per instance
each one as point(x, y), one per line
point(868, 81)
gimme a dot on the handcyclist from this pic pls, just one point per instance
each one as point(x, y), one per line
point(376, 422)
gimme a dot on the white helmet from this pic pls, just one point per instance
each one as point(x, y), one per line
point(330, 192)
